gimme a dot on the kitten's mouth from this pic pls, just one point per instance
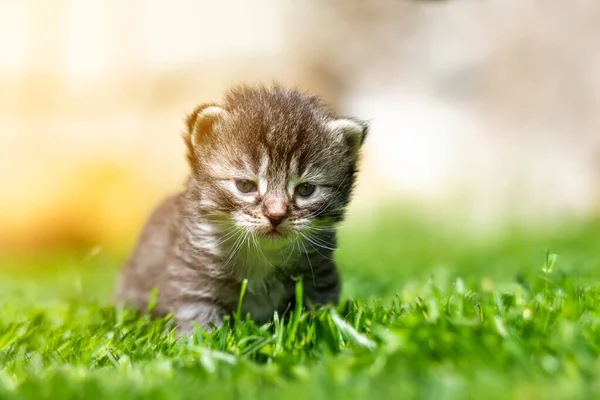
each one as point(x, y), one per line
point(274, 234)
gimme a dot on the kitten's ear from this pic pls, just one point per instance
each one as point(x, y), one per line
point(201, 121)
point(352, 131)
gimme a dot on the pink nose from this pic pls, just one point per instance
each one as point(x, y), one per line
point(275, 210)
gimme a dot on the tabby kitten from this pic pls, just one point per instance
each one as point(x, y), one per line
point(272, 170)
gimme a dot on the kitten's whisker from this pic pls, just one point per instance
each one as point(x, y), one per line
point(309, 263)
point(321, 233)
point(228, 236)
point(262, 253)
point(252, 247)
point(322, 228)
point(219, 224)
point(239, 242)
point(293, 248)
point(238, 251)
point(317, 242)
point(292, 244)
point(228, 230)
point(315, 245)
point(248, 252)
point(215, 216)
point(324, 256)
point(229, 253)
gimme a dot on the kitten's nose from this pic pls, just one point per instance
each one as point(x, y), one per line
point(276, 221)
point(275, 210)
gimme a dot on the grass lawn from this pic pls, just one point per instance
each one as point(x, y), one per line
point(429, 313)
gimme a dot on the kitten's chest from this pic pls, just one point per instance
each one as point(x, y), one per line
point(264, 297)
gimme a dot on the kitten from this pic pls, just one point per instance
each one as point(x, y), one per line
point(272, 171)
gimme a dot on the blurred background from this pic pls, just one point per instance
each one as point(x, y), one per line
point(483, 112)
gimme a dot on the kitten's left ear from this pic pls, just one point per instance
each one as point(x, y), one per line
point(200, 122)
point(352, 131)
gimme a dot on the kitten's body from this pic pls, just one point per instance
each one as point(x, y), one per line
point(199, 246)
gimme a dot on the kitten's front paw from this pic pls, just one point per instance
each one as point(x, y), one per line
point(201, 315)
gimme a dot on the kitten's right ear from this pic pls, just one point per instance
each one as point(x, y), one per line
point(201, 121)
point(351, 130)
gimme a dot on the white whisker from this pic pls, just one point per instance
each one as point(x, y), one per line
point(261, 252)
point(235, 249)
point(319, 240)
point(309, 263)
point(314, 246)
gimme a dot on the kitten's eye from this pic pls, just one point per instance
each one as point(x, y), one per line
point(305, 189)
point(245, 186)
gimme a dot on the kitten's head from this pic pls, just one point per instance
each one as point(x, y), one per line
point(272, 162)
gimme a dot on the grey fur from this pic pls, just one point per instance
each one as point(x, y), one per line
point(199, 245)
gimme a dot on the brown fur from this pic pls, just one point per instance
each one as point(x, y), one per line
point(199, 246)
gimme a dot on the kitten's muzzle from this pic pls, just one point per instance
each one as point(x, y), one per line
point(276, 210)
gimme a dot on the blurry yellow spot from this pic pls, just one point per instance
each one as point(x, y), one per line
point(487, 285)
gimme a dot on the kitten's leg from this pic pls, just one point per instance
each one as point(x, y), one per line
point(322, 285)
point(204, 314)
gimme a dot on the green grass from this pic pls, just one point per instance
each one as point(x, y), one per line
point(428, 313)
